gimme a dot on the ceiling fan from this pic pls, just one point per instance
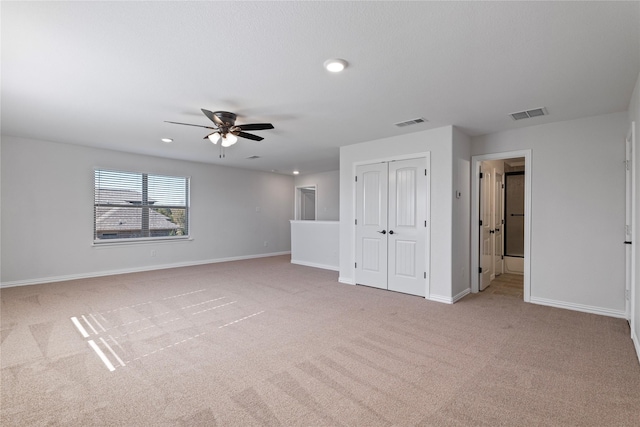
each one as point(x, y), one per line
point(225, 130)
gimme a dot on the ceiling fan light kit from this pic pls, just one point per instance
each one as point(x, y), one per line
point(225, 129)
point(214, 137)
point(228, 140)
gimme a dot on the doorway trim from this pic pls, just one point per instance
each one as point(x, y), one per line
point(475, 216)
point(297, 208)
point(631, 287)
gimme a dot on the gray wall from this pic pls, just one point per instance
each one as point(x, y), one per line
point(47, 213)
point(634, 115)
point(437, 142)
point(460, 233)
point(577, 209)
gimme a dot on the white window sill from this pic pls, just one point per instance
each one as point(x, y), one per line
point(139, 241)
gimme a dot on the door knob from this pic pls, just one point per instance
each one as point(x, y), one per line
point(390, 231)
point(383, 231)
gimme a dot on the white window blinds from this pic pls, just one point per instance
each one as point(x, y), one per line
point(132, 205)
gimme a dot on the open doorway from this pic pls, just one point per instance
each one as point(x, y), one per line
point(306, 203)
point(501, 223)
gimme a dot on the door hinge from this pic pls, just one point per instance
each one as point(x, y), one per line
point(425, 172)
point(480, 270)
point(356, 179)
point(356, 264)
point(356, 221)
point(480, 222)
point(626, 294)
point(425, 223)
point(425, 274)
point(481, 175)
point(502, 186)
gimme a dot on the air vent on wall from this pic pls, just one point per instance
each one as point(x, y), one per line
point(410, 122)
point(253, 157)
point(520, 115)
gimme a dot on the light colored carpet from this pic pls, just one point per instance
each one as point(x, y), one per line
point(264, 342)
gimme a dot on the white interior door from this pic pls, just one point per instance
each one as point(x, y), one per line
point(486, 249)
point(407, 226)
point(498, 225)
point(371, 225)
point(391, 210)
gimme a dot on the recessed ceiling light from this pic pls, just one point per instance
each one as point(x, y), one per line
point(296, 172)
point(167, 140)
point(335, 65)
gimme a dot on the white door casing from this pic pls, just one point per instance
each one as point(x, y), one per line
point(486, 259)
point(476, 215)
point(498, 225)
point(391, 219)
point(630, 225)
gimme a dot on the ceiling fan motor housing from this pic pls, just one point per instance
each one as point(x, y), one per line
point(229, 119)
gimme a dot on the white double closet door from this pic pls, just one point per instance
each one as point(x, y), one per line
point(391, 225)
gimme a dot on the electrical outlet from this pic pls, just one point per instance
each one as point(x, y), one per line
point(266, 243)
point(153, 252)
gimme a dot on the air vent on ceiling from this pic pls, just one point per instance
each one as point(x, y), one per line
point(520, 115)
point(253, 157)
point(410, 122)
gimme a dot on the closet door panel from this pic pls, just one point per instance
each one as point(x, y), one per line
point(407, 230)
point(371, 225)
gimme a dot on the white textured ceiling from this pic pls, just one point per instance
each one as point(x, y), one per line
point(108, 74)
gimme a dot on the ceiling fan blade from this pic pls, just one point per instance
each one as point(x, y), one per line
point(212, 117)
point(248, 136)
point(189, 124)
point(256, 126)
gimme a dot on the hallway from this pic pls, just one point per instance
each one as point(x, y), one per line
point(507, 284)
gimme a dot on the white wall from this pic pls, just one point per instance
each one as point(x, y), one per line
point(634, 115)
point(327, 193)
point(439, 143)
point(47, 213)
point(577, 209)
point(315, 244)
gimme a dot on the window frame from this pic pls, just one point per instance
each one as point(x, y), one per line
point(148, 238)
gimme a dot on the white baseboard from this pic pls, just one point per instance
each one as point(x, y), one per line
point(449, 300)
point(313, 264)
point(636, 344)
point(346, 280)
point(440, 298)
point(64, 278)
point(461, 295)
point(579, 307)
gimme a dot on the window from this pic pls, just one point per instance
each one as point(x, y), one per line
point(131, 205)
